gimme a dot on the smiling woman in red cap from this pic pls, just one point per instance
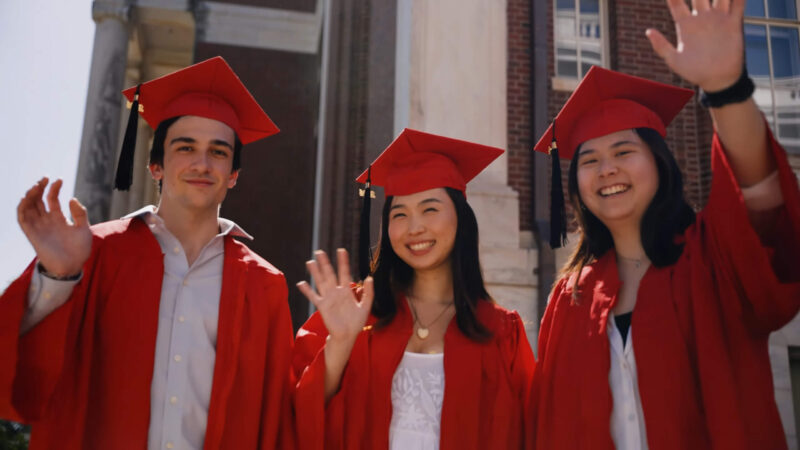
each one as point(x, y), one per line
point(656, 335)
point(158, 330)
point(426, 359)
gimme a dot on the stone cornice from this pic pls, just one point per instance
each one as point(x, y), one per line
point(251, 26)
point(111, 9)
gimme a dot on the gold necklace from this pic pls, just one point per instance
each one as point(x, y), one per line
point(424, 330)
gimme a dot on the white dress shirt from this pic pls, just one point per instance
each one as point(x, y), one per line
point(187, 332)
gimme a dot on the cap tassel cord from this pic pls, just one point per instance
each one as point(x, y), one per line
point(364, 251)
point(558, 222)
point(124, 177)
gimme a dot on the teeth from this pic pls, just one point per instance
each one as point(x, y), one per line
point(611, 190)
point(421, 246)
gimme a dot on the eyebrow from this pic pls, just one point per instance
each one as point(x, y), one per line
point(614, 145)
point(427, 200)
point(189, 140)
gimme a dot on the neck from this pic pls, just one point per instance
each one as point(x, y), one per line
point(194, 229)
point(628, 243)
point(433, 286)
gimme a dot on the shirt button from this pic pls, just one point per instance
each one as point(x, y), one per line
point(176, 250)
point(170, 445)
point(47, 295)
point(173, 399)
point(631, 417)
point(625, 366)
point(181, 318)
point(177, 358)
point(185, 283)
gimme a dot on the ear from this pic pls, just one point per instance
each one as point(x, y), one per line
point(156, 171)
point(232, 178)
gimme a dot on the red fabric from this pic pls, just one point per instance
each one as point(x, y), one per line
point(417, 161)
point(82, 376)
point(486, 385)
point(207, 89)
point(607, 101)
point(700, 330)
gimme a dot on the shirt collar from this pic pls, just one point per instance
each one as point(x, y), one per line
point(226, 226)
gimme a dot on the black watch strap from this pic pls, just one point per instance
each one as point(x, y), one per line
point(738, 92)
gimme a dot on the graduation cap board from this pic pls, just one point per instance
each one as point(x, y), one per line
point(603, 103)
point(414, 162)
point(207, 89)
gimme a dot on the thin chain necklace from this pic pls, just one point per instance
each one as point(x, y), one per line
point(637, 263)
point(424, 330)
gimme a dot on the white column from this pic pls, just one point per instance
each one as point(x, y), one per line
point(450, 79)
point(101, 124)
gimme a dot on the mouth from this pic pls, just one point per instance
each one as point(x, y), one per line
point(200, 182)
point(420, 247)
point(615, 189)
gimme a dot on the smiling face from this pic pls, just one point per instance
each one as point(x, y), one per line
point(617, 178)
point(422, 228)
point(198, 160)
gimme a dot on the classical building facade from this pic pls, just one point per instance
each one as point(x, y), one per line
point(342, 78)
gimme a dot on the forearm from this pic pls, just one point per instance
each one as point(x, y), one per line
point(45, 295)
point(337, 353)
point(742, 130)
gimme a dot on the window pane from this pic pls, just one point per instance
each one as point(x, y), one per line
point(568, 69)
point(590, 6)
point(755, 37)
point(782, 9)
point(786, 78)
point(565, 4)
point(754, 8)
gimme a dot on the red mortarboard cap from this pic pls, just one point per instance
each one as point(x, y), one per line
point(207, 89)
point(417, 161)
point(606, 102)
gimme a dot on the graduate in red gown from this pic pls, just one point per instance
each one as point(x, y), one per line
point(656, 335)
point(158, 330)
point(425, 359)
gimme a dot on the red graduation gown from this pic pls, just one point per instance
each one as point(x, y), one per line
point(82, 376)
point(700, 330)
point(486, 385)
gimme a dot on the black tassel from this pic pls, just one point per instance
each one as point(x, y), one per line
point(124, 177)
point(558, 220)
point(364, 251)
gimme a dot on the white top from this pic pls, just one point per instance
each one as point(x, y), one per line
point(627, 419)
point(186, 342)
point(417, 395)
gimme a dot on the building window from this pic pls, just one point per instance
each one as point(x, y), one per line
point(772, 40)
point(580, 36)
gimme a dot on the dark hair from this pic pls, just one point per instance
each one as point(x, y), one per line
point(667, 216)
point(392, 275)
point(160, 137)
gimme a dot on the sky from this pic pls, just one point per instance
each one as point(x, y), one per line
point(44, 59)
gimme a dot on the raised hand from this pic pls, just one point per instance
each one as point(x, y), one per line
point(343, 314)
point(61, 246)
point(710, 47)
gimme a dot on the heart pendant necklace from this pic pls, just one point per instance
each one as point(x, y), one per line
point(423, 331)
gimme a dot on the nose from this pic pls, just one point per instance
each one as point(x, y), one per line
point(201, 160)
point(415, 226)
point(607, 167)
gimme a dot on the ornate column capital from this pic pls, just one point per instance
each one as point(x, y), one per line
point(111, 9)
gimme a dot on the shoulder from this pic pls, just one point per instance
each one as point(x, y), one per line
point(255, 263)
point(128, 232)
point(500, 321)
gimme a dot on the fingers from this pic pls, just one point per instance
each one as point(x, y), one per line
point(701, 5)
point(309, 293)
point(368, 294)
point(78, 212)
point(737, 8)
point(678, 9)
point(28, 208)
point(661, 46)
point(326, 268)
point(343, 263)
point(722, 5)
point(52, 197)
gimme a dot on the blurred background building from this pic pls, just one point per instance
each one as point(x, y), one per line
point(342, 78)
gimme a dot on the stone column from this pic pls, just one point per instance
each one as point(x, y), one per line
point(101, 123)
point(451, 79)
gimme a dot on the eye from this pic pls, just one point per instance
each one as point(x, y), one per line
point(184, 148)
point(398, 215)
point(588, 161)
point(624, 152)
point(219, 152)
point(430, 209)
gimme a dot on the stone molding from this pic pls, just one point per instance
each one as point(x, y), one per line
point(110, 9)
point(265, 28)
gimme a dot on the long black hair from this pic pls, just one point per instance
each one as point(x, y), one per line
point(667, 216)
point(393, 276)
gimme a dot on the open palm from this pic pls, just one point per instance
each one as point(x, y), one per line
point(343, 314)
point(710, 48)
point(61, 246)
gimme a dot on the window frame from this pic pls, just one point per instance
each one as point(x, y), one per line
point(569, 83)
